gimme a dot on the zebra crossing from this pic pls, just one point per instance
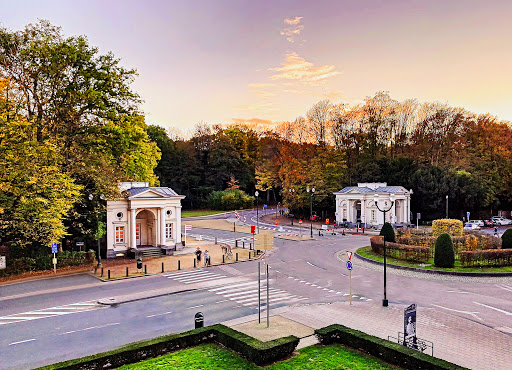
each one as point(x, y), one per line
point(194, 276)
point(246, 294)
point(50, 312)
point(230, 241)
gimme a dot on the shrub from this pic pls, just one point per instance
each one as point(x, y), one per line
point(489, 257)
point(449, 226)
point(229, 200)
point(506, 239)
point(388, 232)
point(444, 255)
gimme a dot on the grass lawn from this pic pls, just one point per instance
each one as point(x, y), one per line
point(212, 356)
point(368, 253)
point(199, 212)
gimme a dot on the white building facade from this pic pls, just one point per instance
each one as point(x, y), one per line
point(145, 217)
point(356, 204)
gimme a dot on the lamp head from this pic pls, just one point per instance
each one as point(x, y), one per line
point(307, 189)
point(392, 197)
point(256, 193)
point(313, 190)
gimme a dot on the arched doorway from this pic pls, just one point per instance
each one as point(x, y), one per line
point(145, 232)
point(357, 211)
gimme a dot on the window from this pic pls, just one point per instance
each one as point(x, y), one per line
point(168, 231)
point(119, 234)
point(344, 214)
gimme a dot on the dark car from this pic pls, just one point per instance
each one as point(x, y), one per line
point(488, 223)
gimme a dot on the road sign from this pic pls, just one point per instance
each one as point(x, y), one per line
point(418, 216)
point(349, 265)
point(236, 214)
point(327, 221)
point(300, 222)
point(188, 227)
point(54, 261)
point(277, 222)
point(253, 229)
point(3, 263)
point(467, 215)
point(349, 255)
point(265, 206)
point(54, 247)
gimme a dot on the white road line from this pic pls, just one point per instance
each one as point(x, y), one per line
point(505, 287)
point(225, 300)
point(186, 273)
point(244, 293)
point(494, 308)
point(190, 278)
point(90, 328)
point(160, 314)
point(271, 296)
point(455, 291)
point(22, 341)
point(230, 288)
point(201, 305)
point(454, 310)
point(200, 279)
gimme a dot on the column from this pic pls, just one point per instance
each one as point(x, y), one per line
point(363, 210)
point(177, 225)
point(162, 226)
point(133, 229)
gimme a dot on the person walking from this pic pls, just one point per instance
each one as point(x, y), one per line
point(206, 258)
point(198, 256)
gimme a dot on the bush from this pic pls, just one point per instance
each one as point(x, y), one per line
point(388, 232)
point(448, 226)
point(506, 239)
point(229, 200)
point(444, 255)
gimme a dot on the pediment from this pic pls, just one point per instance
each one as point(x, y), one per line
point(150, 193)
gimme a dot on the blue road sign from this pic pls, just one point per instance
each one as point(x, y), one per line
point(54, 247)
point(265, 206)
point(349, 265)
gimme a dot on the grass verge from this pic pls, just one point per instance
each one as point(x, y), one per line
point(199, 212)
point(212, 357)
point(368, 253)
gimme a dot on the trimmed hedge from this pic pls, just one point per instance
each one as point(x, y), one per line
point(489, 257)
point(390, 352)
point(406, 252)
point(506, 239)
point(448, 226)
point(444, 254)
point(388, 232)
point(248, 347)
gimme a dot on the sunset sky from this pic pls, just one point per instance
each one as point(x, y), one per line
point(220, 61)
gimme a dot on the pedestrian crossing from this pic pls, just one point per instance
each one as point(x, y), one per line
point(230, 241)
point(50, 312)
point(246, 294)
point(194, 276)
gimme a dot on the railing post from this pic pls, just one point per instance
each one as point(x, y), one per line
point(179, 265)
point(108, 274)
point(237, 256)
point(126, 271)
point(162, 267)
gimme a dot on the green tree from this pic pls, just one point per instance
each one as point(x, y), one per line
point(444, 254)
point(388, 232)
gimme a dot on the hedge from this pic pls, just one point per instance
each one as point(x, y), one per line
point(390, 352)
point(400, 251)
point(248, 347)
point(449, 226)
point(490, 257)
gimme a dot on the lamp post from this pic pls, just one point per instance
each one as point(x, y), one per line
point(447, 207)
point(376, 200)
point(311, 209)
point(256, 193)
point(291, 192)
point(91, 197)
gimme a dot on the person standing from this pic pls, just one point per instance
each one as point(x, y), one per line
point(206, 258)
point(198, 256)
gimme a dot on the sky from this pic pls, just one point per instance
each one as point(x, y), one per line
point(268, 61)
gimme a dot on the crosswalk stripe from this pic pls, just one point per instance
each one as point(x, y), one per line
point(271, 295)
point(232, 286)
point(248, 293)
point(191, 277)
point(193, 272)
point(200, 279)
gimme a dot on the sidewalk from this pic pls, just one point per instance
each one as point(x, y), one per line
point(465, 343)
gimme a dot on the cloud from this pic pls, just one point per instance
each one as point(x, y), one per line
point(294, 30)
point(298, 69)
point(253, 121)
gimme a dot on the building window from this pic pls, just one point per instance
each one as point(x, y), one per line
point(119, 234)
point(373, 215)
point(168, 231)
point(344, 214)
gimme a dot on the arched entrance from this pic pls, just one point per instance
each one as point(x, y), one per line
point(145, 233)
point(357, 211)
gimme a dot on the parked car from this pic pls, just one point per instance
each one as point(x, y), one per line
point(500, 220)
point(480, 223)
point(471, 226)
point(488, 223)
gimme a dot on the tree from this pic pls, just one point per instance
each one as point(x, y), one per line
point(506, 239)
point(444, 255)
point(388, 232)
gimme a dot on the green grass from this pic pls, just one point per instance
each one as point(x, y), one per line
point(212, 357)
point(199, 212)
point(368, 253)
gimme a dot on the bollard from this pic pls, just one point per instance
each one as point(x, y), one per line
point(199, 320)
point(215, 240)
point(145, 269)
point(249, 255)
point(195, 262)
point(162, 267)
point(237, 256)
point(127, 272)
point(236, 243)
point(102, 272)
point(243, 245)
point(223, 259)
point(179, 265)
point(109, 274)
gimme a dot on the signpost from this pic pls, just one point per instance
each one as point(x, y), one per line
point(418, 218)
point(467, 215)
point(3, 263)
point(300, 228)
point(54, 251)
point(349, 268)
point(187, 228)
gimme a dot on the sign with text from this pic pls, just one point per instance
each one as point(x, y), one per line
point(276, 222)
point(3, 263)
point(410, 339)
point(264, 241)
point(253, 229)
point(54, 247)
point(327, 221)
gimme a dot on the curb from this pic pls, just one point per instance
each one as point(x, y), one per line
point(437, 272)
point(116, 301)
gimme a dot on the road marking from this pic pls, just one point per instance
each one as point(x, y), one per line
point(494, 308)
point(506, 287)
point(454, 310)
point(22, 341)
point(160, 314)
point(225, 300)
point(455, 291)
point(201, 305)
point(231, 286)
point(90, 328)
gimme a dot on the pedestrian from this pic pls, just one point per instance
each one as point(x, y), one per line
point(206, 258)
point(495, 231)
point(198, 256)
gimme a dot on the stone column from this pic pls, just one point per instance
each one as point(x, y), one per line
point(133, 229)
point(162, 226)
point(177, 225)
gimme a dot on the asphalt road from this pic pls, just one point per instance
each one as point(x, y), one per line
point(52, 320)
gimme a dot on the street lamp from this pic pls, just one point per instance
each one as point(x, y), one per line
point(292, 192)
point(256, 193)
point(376, 200)
point(447, 207)
point(311, 209)
point(91, 197)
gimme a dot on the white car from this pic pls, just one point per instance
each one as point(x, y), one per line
point(480, 223)
point(471, 226)
point(500, 220)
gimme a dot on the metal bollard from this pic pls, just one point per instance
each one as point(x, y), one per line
point(223, 259)
point(237, 256)
point(236, 243)
point(215, 240)
point(109, 274)
point(243, 245)
point(145, 269)
point(195, 261)
point(163, 267)
point(249, 255)
point(127, 272)
point(179, 265)
point(102, 272)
